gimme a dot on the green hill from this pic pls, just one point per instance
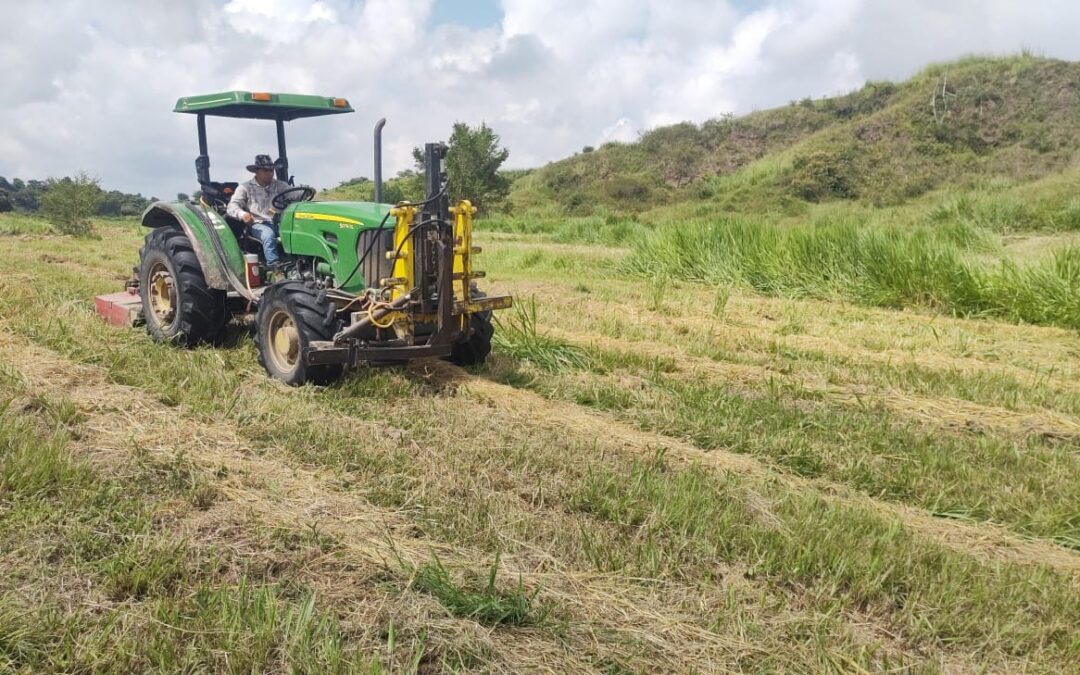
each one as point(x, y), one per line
point(954, 125)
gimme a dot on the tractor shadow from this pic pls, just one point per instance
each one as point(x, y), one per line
point(424, 377)
point(236, 335)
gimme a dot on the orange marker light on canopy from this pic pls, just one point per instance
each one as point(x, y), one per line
point(260, 96)
point(340, 103)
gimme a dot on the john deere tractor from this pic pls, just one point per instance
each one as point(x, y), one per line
point(362, 283)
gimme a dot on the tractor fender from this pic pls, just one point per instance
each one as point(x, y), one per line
point(219, 256)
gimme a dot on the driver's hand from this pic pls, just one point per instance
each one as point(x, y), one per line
point(247, 218)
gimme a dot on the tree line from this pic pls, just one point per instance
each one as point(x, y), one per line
point(26, 196)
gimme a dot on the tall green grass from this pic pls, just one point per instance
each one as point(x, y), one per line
point(518, 338)
point(608, 230)
point(881, 266)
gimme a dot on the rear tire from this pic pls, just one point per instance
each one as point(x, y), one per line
point(178, 306)
point(291, 315)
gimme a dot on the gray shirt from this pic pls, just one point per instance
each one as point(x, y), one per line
point(250, 197)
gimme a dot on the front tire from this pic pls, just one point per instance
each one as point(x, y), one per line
point(291, 315)
point(178, 305)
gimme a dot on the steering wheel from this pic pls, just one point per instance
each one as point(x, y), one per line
point(282, 199)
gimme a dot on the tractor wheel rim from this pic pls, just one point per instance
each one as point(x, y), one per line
point(162, 294)
point(284, 342)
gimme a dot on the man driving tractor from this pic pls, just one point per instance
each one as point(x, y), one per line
point(251, 203)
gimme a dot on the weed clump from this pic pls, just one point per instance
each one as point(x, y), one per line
point(485, 603)
point(517, 337)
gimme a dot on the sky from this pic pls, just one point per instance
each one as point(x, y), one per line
point(89, 86)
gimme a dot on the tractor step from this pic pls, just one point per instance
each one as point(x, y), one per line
point(120, 309)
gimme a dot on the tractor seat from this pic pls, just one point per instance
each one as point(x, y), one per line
point(242, 231)
point(218, 195)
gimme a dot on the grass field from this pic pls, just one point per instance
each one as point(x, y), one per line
point(656, 471)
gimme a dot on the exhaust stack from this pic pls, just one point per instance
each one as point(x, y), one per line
point(378, 159)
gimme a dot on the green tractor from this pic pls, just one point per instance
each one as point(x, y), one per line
point(362, 283)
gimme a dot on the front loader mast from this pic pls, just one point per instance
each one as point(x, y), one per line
point(430, 246)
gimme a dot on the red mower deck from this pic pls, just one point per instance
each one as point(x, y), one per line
point(120, 309)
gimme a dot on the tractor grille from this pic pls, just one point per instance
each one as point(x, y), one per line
point(376, 266)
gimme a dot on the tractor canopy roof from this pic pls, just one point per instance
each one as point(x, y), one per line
point(262, 105)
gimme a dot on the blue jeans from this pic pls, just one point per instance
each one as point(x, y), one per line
point(266, 232)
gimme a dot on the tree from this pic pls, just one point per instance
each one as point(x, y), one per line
point(181, 197)
point(69, 202)
point(26, 195)
point(117, 204)
point(407, 184)
point(472, 166)
point(5, 201)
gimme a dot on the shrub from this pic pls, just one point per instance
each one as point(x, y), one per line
point(69, 203)
point(633, 189)
point(823, 175)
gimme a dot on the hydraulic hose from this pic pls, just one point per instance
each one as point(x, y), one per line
point(373, 316)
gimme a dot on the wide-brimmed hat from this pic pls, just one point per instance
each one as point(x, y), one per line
point(261, 162)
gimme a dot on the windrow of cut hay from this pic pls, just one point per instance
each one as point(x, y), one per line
point(882, 266)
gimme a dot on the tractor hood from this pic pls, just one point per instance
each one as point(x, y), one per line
point(336, 233)
point(360, 215)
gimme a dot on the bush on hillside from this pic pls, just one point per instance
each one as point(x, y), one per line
point(69, 203)
point(633, 190)
point(823, 175)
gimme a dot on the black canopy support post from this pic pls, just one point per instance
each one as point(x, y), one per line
point(434, 153)
point(202, 162)
point(437, 211)
point(434, 180)
point(378, 159)
point(283, 159)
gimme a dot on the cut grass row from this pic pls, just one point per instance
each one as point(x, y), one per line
point(989, 363)
point(93, 581)
point(275, 589)
point(460, 497)
point(815, 346)
point(1027, 483)
point(140, 363)
point(447, 510)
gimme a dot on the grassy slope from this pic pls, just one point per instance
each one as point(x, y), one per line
point(670, 478)
point(1013, 118)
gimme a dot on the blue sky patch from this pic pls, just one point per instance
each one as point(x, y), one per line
point(470, 13)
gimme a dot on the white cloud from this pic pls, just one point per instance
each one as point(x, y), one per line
point(279, 21)
point(622, 131)
point(93, 90)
